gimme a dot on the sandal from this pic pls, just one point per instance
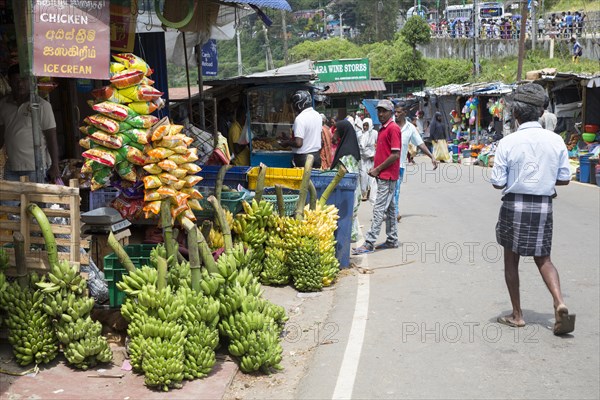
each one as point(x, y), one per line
point(362, 250)
point(385, 246)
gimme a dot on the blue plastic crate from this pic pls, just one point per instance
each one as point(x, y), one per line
point(234, 177)
point(343, 198)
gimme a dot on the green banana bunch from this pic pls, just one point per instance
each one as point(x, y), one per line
point(132, 283)
point(179, 275)
point(275, 270)
point(4, 259)
point(163, 362)
point(88, 351)
point(304, 264)
point(30, 329)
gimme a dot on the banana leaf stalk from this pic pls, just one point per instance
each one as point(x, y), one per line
point(280, 203)
point(222, 222)
point(313, 195)
point(162, 268)
point(304, 187)
point(180, 257)
point(49, 240)
point(21, 262)
point(206, 227)
point(260, 183)
point(167, 226)
point(332, 185)
point(220, 179)
point(192, 240)
point(120, 252)
point(205, 253)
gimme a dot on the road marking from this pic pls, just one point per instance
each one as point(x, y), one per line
point(345, 382)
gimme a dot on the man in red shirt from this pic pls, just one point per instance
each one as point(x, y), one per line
point(386, 170)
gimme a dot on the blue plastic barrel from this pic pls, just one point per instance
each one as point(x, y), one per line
point(233, 177)
point(584, 168)
point(343, 198)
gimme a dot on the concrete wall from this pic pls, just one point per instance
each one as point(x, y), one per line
point(490, 48)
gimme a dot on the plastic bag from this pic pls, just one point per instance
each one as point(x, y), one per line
point(142, 121)
point(135, 156)
point(194, 204)
point(86, 168)
point(127, 78)
point(129, 208)
point(160, 153)
point(192, 180)
point(106, 140)
point(85, 143)
point(172, 141)
point(178, 210)
point(193, 192)
point(191, 168)
point(136, 134)
point(141, 93)
point(101, 177)
point(180, 184)
point(175, 129)
point(153, 195)
point(167, 191)
point(132, 61)
point(109, 93)
point(152, 207)
point(167, 165)
point(180, 149)
point(143, 107)
point(189, 214)
point(153, 169)
point(167, 179)
point(126, 171)
point(103, 122)
point(159, 133)
point(151, 182)
point(116, 67)
point(101, 155)
point(180, 198)
point(120, 112)
point(179, 173)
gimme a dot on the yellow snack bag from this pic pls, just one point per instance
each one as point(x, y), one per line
point(153, 169)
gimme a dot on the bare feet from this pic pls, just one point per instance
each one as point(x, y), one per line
point(511, 321)
point(565, 322)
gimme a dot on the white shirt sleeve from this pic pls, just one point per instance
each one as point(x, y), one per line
point(415, 138)
point(47, 116)
point(564, 170)
point(500, 170)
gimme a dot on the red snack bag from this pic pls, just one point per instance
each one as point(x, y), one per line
point(141, 93)
point(103, 122)
point(120, 112)
point(126, 79)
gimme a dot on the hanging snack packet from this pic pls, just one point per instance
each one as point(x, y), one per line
point(127, 78)
point(180, 184)
point(86, 168)
point(120, 112)
point(189, 214)
point(106, 140)
point(152, 207)
point(191, 168)
point(132, 61)
point(143, 107)
point(180, 173)
point(167, 179)
point(179, 210)
point(101, 155)
point(109, 93)
point(127, 141)
point(167, 191)
point(172, 141)
point(147, 81)
point(85, 143)
point(180, 149)
point(101, 177)
point(141, 93)
point(151, 182)
point(193, 192)
point(142, 121)
point(167, 165)
point(153, 169)
point(137, 135)
point(179, 198)
point(126, 171)
point(160, 152)
point(135, 156)
point(175, 129)
point(194, 204)
point(116, 67)
point(159, 133)
point(102, 122)
point(153, 195)
point(192, 180)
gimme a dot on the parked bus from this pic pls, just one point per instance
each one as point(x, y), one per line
point(488, 10)
point(491, 11)
point(459, 11)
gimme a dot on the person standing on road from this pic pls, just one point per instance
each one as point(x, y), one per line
point(548, 120)
point(326, 149)
point(386, 170)
point(348, 154)
point(528, 165)
point(410, 135)
point(367, 142)
point(437, 132)
point(306, 130)
point(17, 135)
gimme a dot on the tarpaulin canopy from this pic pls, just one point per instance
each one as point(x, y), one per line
point(277, 4)
point(374, 85)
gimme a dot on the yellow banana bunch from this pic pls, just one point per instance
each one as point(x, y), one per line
point(216, 239)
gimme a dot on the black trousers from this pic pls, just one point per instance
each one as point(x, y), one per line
point(300, 159)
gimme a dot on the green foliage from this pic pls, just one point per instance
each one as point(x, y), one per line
point(395, 61)
point(442, 72)
point(329, 49)
point(415, 32)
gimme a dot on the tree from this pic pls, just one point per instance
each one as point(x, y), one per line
point(330, 49)
point(376, 20)
point(395, 61)
point(416, 31)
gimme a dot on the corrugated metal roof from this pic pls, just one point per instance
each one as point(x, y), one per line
point(468, 89)
point(277, 4)
point(376, 85)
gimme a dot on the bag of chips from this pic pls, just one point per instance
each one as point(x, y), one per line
point(116, 67)
point(85, 143)
point(153, 195)
point(86, 168)
point(147, 81)
point(151, 182)
point(153, 169)
point(109, 93)
point(192, 180)
point(135, 156)
point(180, 149)
point(167, 191)
point(137, 135)
point(101, 177)
point(126, 171)
point(132, 61)
point(101, 155)
point(167, 165)
point(127, 78)
point(178, 210)
point(180, 173)
point(193, 192)
point(160, 153)
point(120, 112)
point(194, 204)
point(159, 132)
point(175, 129)
point(103, 122)
point(172, 141)
point(180, 184)
point(191, 168)
point(167, 179)
point(143, 107)
point(142, 121)
point(141, 93)
point(152, 207)
point(106, 140)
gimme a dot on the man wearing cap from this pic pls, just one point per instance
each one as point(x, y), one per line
point(528, 165)
point(386, 169)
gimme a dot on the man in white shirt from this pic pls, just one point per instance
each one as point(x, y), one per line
point(410, 135)
point(528, 165)
point(358, 123)
point(306, 129)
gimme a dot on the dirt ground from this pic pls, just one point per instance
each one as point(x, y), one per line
point(305, 330)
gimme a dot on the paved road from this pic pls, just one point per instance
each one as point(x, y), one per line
point(428, 311)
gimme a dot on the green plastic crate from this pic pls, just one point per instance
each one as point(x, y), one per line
point(113, 270)
point(231, 201)
point(289, 202)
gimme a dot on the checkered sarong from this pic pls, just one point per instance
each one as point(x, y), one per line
point(525, 224)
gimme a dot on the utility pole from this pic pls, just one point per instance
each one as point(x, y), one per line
point(239, 50)
point(285, 37)
point(475, 38)
point(341, 26)
point(268, 48)
point(522, 39)
point(533, 25)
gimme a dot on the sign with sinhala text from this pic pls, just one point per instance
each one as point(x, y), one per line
point(343, 70)
point(71, 38)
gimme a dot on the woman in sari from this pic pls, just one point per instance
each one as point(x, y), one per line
point(437, 133)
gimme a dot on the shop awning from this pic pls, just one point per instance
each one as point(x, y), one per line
point(354, 87)
point(277, 4)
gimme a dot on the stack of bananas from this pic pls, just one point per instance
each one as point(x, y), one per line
point(251, 229)
point(66, 303)
point(322, 223)
point(215, 237)
point(303, 260)
point(30, 329)
point(253, 333)
point(201, 317)
point(179, 276)
point(275, 271)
